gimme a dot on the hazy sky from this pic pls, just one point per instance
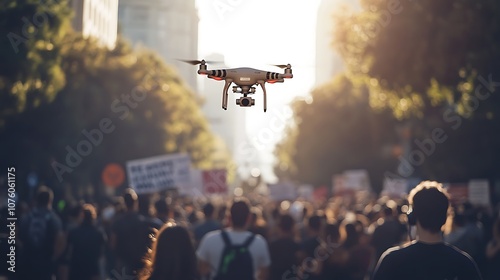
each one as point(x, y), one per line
point(257, 33)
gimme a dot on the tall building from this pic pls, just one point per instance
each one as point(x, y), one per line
point(230, 124)
point(170, 27)
point(97, 19)
point(328, 61)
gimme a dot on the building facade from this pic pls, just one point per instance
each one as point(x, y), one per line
point(328, 61)
point(169, 27)
point(97, 19)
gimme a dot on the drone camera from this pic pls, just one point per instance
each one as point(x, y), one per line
point(245, 102)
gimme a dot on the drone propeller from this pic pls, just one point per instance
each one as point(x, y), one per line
point(282, 66)
point(196, 62)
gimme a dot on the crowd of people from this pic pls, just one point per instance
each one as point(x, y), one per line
point(157, 237)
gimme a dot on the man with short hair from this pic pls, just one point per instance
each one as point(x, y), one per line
point(428, 257)
point(213, 245)
point(209, 223)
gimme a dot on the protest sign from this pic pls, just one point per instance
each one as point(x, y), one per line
point(158, 173)
point(282, 191)
point(394, 187)
point(479, 192)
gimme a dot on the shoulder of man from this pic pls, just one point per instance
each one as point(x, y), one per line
point(211, 236)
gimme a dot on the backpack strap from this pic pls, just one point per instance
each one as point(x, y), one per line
point(249, 240)
point(225, 238)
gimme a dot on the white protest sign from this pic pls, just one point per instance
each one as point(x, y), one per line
point(395, 187)
point(194, 188)
point(356, 180)
point(158, 173)
point(338, 182)
point(306, 192)
point(479, 192)
point(282, 191)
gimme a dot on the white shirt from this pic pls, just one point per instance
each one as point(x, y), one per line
point(212, 245)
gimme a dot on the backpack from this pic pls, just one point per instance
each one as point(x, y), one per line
point(39, 232)
point(236, 261)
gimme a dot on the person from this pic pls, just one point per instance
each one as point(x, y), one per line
point(335, 266)
point(284, 249)
point(172, 256)
point(253, 254)
point(42, 237)
point(427, 257)
point(85, 248)
point(162, 210)
point(146, 209)
point(311, 268)
point(360, 252)
point(465, 235)
point(387, 234)
point(130, 236)
point(208, 225)
point(257, 223)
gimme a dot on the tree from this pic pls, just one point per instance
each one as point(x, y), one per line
point(32, 35)
point(432, 63)
point(418, 54)
point(116, 106)
point(336, 131)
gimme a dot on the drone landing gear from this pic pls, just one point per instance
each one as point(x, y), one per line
point(262, 85)
point(224, 94)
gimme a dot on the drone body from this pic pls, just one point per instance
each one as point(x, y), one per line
point(245, 80)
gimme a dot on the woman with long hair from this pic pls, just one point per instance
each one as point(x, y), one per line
point(172, 256)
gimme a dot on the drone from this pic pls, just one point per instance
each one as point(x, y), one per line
point(245, 79)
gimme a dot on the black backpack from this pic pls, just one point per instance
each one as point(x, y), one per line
point(39, 232)
point(236, 261)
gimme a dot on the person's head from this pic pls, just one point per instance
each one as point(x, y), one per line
point(130, 199)
point(144, 205)
point(350, 234)
point(240, 213)
point(44, 197)
point(332, 233)
point(172, 255)
point(286, 223)
point(208, 210)
point(75, 211)
point(314, 224)
point(161, 207)
point(89, 214)
point(430, 204)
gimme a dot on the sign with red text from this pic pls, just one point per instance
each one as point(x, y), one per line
point(214, 181)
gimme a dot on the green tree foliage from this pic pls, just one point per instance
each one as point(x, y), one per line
point(338, 130)
point(435, 64)
point(143, 105)
point(417, 54)
point(32, 35)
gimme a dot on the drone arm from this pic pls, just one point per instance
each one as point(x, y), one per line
point(263, 86)
point(224, 93)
